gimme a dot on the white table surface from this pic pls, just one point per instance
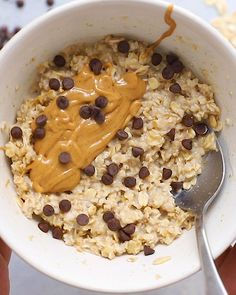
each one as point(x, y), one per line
point(24, 279)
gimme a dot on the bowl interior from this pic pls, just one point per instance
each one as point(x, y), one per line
point(203, 50)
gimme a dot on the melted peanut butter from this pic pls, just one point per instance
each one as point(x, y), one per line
point(66, 131)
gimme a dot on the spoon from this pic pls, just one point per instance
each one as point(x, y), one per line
point(197, 200)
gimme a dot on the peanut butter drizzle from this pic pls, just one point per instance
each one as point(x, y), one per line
point(66, 131)
point(172, 26)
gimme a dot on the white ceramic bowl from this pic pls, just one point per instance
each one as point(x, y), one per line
point(202, 49)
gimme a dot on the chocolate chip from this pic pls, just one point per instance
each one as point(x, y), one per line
point(137, 123)
point(62, 102)
point(95, 66)
point(177, 66)
point(39, 133)
point(123, 237)
point(188, 120)
point(41, 120)
point(99, 118)
point(201, 128)
point(16, 132)
point(168, 73)
point(176, 185)
point(171, 134)
point(112, 169)
point(113, 224)
point(121, 134)
point(129, 229)
point(175, 88)
point(156, 59)
point(101, 102)
point(50, 2)
point(129, 182)
point(95, 111)
point(187, 144)
point(64, 158)
point(16, 30)
point(68, 83)
point(54, 84)
point(57, 233)
point(65, 206)
point(166, 173)
point(89, 170)
point(143, 172)
point(171, 58)
point(20, 3)
point(82, 219)
point(107, 216)
point(107, 179)
point(44, 227)
point(68, 192)
point(85, 111)
point(59, 61)
point(137, 151)
point(148, 250)
point(48, 210)
point(123, 46)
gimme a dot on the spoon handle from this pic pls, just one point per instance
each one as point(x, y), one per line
point(213, 283)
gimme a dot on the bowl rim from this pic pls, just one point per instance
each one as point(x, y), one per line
point(59, 11)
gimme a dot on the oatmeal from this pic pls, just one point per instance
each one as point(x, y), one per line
point(113, 133)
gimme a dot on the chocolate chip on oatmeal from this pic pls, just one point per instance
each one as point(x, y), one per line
point(82, 219)
point(68, 83)
point(99, 118)
point(62, 102)
point(137, 151)
point(156, 59)
point(59, 61)
point(112, 169)
point(16, 132)
point(166, 173)
point(123, 236)
point(176, 185)
point(41, 120)
point(65, 206)
point(175, 88)
point(177, 66)
point(121, 134)
point(129, 182)
point(85, 111)
point(171, 134)
point(64, 158)
point(188, 120)
point(187, 144)
point(137, 123)
point(201, 128)
point(57, 233)
point(101, 101)
point(148, 250)
point(95, 66)
point(107, 216)
point(39, 133)
point(89, 170)
point(44, 226)
point(129, 229)
point(68, 192)
point(20, 3)
point(113, 224)
point(107, 179)
point(48, 210)
point(168, 73)
point(123, 46)
point(143, 172)
point(171, 58)
point(54, 84)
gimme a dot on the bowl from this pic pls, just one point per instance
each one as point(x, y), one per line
point(201, 48)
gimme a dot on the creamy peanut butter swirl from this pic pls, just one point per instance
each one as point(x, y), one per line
point(84, 139)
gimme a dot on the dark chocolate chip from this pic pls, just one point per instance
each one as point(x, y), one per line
point(201, 128)
point(39, 133)
point(62, 102)
point(166, 173)
point(89, 170)
point(148, 250)
point(99, 118)
point(137, 151)
point(187, 144)
point(57, 233)
point(121, 134)
point(113, 169)
point(188, 120)
point(107, 216)
point(175, 88)
point(20, 3)
point(123, 46)
point(171, 134)
point(44, 226)
point(123, 236)
point(68, 83)
point(107, 179)
point(41, 120)
point(176, 185)
point(168, 73)
point(137, 123)
point(156, 59)
point(95, 66)
point(48, 210)
point(171, 58)
point(16, 132)
point(59, 61)
point(82, 219)
point(101, 102)
point(54, 84)
point(113, 224)
point(177, 66)
point(129, 182)
point(143, 172)
point(64, 158)
point(85, 111)
point(129, 229)
point(65, 206)
point(50, 2)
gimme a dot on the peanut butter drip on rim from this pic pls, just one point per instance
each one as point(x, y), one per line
point(83, 139)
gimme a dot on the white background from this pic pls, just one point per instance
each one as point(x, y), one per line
point(24, 279)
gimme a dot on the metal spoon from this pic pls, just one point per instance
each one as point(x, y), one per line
point(198, 200)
